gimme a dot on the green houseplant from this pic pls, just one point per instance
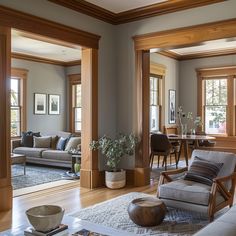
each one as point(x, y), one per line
point(114, 150)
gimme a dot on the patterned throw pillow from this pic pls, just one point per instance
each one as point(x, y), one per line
point(61, 143)
point(203, 171)
point(73, 143)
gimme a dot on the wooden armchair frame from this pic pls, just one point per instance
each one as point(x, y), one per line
point(217, 187)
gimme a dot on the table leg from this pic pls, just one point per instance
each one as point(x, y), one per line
point(25, 168)
point(179, 154)
point(186, 151)
point(73, 164)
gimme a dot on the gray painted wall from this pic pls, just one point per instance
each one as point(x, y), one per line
point(116, 52)
point(171, 80)
point(188, 78)
point(49, 79)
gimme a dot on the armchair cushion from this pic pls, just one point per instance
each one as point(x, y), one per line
point(203, 171)
point(185, 191)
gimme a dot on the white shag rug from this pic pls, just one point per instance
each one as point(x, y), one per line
point(113, 213)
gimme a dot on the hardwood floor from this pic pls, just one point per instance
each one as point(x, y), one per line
point(71, 196)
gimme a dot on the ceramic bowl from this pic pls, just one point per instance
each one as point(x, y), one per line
point(46, 217)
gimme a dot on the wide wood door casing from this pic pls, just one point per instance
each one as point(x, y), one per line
point(5, 73)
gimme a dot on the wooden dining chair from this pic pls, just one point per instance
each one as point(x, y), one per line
point(161, 146)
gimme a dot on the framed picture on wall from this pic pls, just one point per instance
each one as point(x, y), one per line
point(53, 104)
point(40, 103)
point(172, 106)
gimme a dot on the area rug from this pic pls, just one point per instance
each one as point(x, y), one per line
point(35, 175)
point(113, 213)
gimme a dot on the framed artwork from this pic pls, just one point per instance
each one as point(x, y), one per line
point(172, 106)
point(40, 103)
point(53, 104)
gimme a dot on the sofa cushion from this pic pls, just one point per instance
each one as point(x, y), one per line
point(28, 151)
point(203, 171)
point(56, 155)
point(73, 143)
point(185, 191)
point(27, 138)
point(42, 142)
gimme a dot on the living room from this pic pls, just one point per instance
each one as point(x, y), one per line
point(116, 90)
point(43, 69)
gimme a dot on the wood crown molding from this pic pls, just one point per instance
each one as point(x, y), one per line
point(217, 53)
point(44, 60)
point(134, 14)
point(37, 25)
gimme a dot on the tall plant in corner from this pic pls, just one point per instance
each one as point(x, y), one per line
point(114, 150)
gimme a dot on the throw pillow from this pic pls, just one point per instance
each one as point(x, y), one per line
point(42, 142)
point(61, 143)
point(203, 171)
point(27, 138)
point(54, 142)
point(72, 143)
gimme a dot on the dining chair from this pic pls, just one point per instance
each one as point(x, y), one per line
point(161, 146)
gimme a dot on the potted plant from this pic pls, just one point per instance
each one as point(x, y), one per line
point(114, 150)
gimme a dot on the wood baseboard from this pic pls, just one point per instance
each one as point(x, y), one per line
point(141, 176)
point(92, 178)
point(6, 198)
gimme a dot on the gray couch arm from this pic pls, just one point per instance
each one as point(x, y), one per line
point(15, 143)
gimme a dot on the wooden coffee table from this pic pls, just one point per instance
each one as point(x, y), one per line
point(18, 159)
point(147, 211)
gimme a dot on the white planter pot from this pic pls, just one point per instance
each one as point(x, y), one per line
point(115, 180)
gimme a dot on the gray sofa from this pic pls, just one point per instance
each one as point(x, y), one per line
point(223, 226)
point(44, 156)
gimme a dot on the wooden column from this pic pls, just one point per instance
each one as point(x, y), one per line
point(142, 170)
point(90, 175)
point(5, 72)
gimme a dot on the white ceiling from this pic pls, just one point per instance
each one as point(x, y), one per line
point(209, 46)
point(118, 6)
point(26, 44)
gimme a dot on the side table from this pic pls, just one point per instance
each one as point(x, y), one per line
point(18, 159)
point(76, 158)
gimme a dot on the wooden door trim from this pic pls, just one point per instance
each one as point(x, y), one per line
point(186, 36)
point(163, 40)
point(37, 25)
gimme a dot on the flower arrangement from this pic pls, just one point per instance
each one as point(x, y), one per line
point(186, 119)
point(114, 149)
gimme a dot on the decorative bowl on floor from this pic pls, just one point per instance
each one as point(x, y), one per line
point(46, 217)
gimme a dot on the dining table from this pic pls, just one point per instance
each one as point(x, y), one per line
point(185, 139)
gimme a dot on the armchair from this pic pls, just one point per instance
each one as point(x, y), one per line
point(195, 196)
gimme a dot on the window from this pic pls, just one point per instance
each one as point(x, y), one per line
point(154, 104)
point(75, 103)
point(18, 101)
point(216, 105)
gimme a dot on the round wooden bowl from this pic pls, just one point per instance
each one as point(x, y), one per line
point(147, 211)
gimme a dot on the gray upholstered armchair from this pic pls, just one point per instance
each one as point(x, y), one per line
point(195, 196)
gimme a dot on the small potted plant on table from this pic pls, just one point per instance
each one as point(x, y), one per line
point(114, 150)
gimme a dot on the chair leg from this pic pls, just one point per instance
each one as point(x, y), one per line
point(165, 161)
point(158, 161)
point(151, 160)
point(176, 160)
point(170, 160)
